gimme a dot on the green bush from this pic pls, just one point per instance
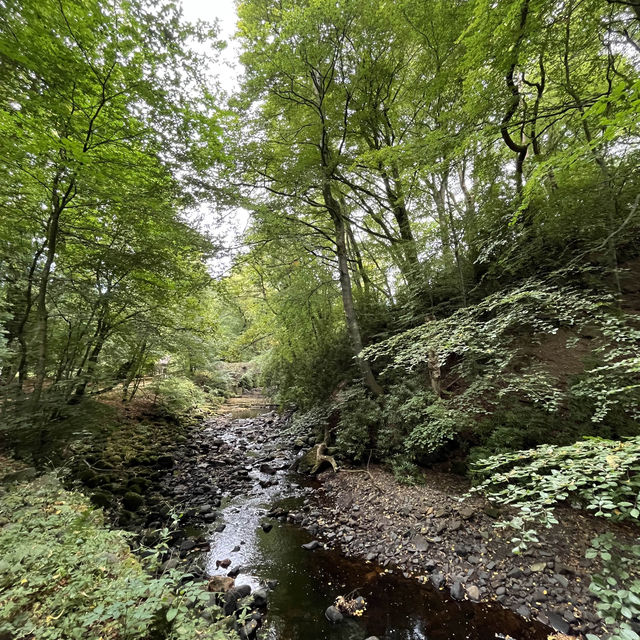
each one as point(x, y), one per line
point(360, 418)
point(556, 351)
point(177, 396)
point(216, 381)
point(440, 425)
point(405, 471)
point(64, 575)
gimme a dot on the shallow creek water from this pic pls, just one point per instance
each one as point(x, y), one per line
point(309, 581)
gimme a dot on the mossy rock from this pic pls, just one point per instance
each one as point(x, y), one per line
point(125, 516)
point(101, 499)
point(88, 478)
point(22, 475)
point(119, 489)
point(165, 462)
point(132, 501)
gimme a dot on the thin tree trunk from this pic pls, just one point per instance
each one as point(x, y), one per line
point(58, 204)
point(353, 327)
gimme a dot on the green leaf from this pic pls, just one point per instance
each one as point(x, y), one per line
point(171, 614)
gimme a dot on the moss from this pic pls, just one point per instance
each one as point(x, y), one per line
point(50, 555)
point(101, 499)
point(132, 501)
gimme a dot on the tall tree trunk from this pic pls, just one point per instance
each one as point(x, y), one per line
point(42, 314)
point(338, 219)
point(92, 362)
point(395, 196)
point(58, 204)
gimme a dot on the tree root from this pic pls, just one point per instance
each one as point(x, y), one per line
point(321, 457)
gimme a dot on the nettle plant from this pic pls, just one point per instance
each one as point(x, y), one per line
point(601, 476)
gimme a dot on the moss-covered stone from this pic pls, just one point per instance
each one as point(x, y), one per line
point(132, 501)
point(101, 499)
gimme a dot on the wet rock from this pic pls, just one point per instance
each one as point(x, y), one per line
point(260, 598)
point(223, 563)
point(248, 630)
point(420, 543)
point(220, 528)
point(333, 615)
point(266, 527)
point(561, 580)
point(557, 622)
point(473, 592)
point(265, 468)
point(516, 572)
point(234, 572)
point(220, 584)
point(243, 590)
point(523, 611)
point(311, 546)
point(457, 591)
point(187, 545)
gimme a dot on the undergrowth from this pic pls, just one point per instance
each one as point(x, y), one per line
point(64, 574)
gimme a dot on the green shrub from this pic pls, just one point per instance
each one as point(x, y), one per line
point(360, 418)
point(176, 396)
point(405, 471)
point(565, 352)
point(216, 381)
point(439, 426)
point(405, 408)
point(64, 575)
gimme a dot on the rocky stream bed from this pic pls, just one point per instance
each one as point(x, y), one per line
point(287, 545)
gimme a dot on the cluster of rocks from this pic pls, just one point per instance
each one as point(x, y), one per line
point(234, 600)
point(428, 534)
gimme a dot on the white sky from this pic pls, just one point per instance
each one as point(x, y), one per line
point(227, 71)
point(225, 12)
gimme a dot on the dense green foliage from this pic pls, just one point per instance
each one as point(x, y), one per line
point(445, 206)
point(108, 135)
point(63, 574)
point(442, 262)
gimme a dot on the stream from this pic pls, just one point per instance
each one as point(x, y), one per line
point(304, 583)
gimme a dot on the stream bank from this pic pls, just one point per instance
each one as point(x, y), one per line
point(428, 534)
point(242, 513)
